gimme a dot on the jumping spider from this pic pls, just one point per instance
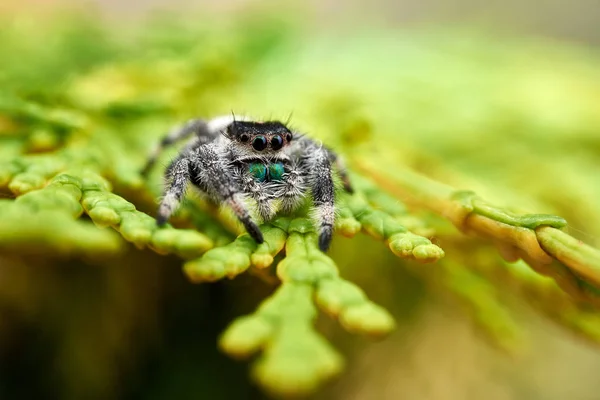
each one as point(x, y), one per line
point(232, 158)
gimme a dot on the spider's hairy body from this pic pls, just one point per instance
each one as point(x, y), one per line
point(232, 160)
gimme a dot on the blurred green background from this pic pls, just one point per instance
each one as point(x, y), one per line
point(502, 98)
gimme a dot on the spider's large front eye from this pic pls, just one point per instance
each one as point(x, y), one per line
point(259, 143)
point(276, 142)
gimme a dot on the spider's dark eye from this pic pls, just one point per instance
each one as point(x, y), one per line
point(259, 143)
point(244, 138)
point(276, 142)
point(288, 137)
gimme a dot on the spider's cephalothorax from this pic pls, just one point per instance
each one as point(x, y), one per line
point(231, 159)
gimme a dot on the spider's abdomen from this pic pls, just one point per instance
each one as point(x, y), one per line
point(266, 173)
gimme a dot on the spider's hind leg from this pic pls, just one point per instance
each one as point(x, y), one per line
point(341, 168)
point(197, 126)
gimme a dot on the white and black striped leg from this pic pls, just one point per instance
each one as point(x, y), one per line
point(341, 168)
point(177, 177)
point(234, 201)
point(266, 209)
point(212, 174)
point(323, 198)
point(264, 205)
point(293, 190)
point(194, 126)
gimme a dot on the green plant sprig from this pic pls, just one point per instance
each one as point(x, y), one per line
point(535, 238)
point(295, 359)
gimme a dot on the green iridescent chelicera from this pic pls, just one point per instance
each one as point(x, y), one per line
point(260, 172)
point(276, 171)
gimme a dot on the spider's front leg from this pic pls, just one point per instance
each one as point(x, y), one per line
point(323, 196)
point(212, 174)
point(206, 170)
point(177, 176)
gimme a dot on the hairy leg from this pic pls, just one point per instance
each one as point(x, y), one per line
point(341, 168)
point(293, 189)
point(323, 196)
point(213, 174)
point(199, 127)
point(177, 177)
point(310, 146)
point(264, 203)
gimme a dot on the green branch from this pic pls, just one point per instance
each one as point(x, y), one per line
point(536, 238)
